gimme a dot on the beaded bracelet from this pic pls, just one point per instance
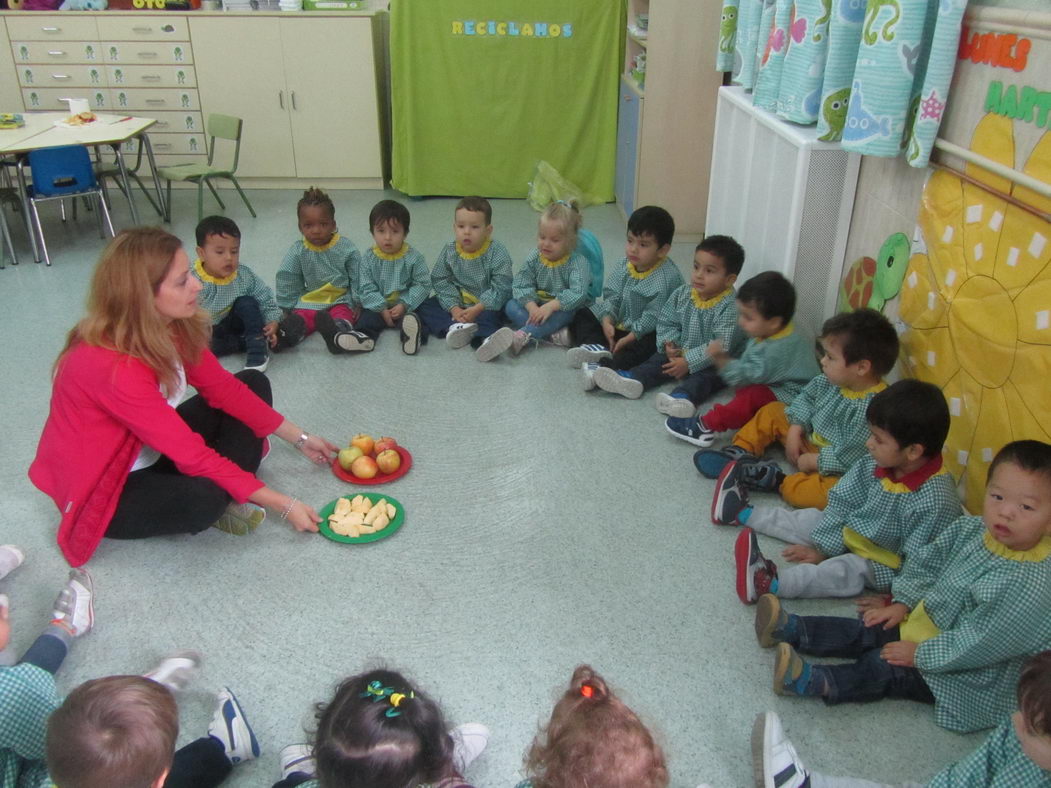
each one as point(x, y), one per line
point(288, 509)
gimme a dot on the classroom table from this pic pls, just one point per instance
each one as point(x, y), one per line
point(41, 131)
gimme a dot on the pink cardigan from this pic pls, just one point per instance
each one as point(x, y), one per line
point(104, 406)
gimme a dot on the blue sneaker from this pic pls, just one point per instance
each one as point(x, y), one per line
point(617, 382)
point(793, 675)
point(756, 575)
point(765, 475)
point(232, 730)
point(774, 624)
point(730, 497)
point(691, 430)
point(584, 353)
point(710, 462)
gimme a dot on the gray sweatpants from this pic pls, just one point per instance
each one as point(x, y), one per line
point(841, 575)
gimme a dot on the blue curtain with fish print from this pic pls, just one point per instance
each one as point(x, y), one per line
point(874, 74)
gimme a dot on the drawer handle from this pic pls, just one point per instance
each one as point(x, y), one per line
point(56, 53)
point(147, 54)
point(61, 76)
point(151, 77)
point(143, 30)
point(156, 101)
point(51, 30)
point(162, 145)
point(163, 124)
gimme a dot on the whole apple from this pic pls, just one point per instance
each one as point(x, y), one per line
point(388, 460)
point(364, 467)
point(347, 457)
point(363, 442)
point(383, 444)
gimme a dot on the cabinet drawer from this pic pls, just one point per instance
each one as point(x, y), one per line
point(151, 76)
point(51, 98)
point(58, 76)
point(158, 99)
point(143, 27)
point(146, 52)
point(176, 122)
point(64, 27)
point(178, 144)
point(37, 52)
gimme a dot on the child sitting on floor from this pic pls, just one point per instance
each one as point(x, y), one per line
point(694, 315)
point(775, 365)
point(471, 279)
point(381, 731)
point(242, 306)
point(1017, 754)
point(620, 331)
point(548, 289)
point(824, 429)
point(968, 610)
point(394, 278)
point(885, 509)
point(317, 279)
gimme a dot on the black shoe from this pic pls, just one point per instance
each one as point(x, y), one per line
point(411, 329)
point(351, 341)
point(257, 354)
point(326, 325)
point(290, 332)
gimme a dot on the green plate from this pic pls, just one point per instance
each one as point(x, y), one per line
point(330, 507)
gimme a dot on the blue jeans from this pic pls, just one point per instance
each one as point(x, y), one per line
point(243, 322)
point(869, 678)
point(437, 320)
point(697, 386)
point(518, 316)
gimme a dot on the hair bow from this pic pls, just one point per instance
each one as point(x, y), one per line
point(377, 691)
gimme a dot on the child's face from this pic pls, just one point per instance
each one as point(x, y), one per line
point(1017, 508)
point(1036, 746)
point(709, 277)
point(833, 364)
point(887, 452)
point(389, 236)
point(471, 229)
point(753, 323)
point(317, 224)
point(220, 255)
point(643, 252)
point(552, 241)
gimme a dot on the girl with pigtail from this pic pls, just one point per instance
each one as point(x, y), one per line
point(594, 740)
point(380, 731)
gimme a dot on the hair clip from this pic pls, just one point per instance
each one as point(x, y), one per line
point(587, 690)
point(395, 701)
point(377, 691)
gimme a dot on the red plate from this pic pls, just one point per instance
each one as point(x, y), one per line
point(379, 478)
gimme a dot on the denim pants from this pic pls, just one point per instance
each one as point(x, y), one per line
point(518, 315)
point(870, 677)
point(243, 321)
point(696, 387)
point(438, 320)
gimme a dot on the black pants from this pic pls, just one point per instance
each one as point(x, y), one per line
point(200, 764)
point(244, 321)
point(586, 329)
point(697, 386)
point(371, 324)
point(159, 500)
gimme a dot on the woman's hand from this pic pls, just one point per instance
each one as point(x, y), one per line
point(302, 517)
point(319, 450)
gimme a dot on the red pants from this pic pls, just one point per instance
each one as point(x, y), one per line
point(338, 312)
point(746, 402)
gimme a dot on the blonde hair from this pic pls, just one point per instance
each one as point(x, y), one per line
point(593, 739)
point(121, 314)
point(567, 216)
point(114, 732)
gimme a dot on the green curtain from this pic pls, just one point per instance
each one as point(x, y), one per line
point(483, 89)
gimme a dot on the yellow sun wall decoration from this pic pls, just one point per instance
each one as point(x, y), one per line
point(977, 304)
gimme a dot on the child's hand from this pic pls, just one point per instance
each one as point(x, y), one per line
point(872, 602)
point(676, 368)
point(807, 463)
point(803, 554)
point(457, 314)
point(388, 318)
point(715, 348)
point(671, 350)
point(901, 653)
point(794, 444)
point(608, 330)
point(623, 342)
point(270, 332)
point(397, 312)
point(533, 310)
point(889, 616)
point(5, 625)
point(470, 314)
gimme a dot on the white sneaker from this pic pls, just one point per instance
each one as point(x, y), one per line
point(578, 355)
point(177, 670)
point(74, 608)
point(353, 341)
point(496, 344)
point(11, 557)
point(297, 758)
point(460, 334)
point(561, 338)
point(520, 341)
point(587, 374)
point(469, 740)
point(677, 407)
point(610, 380)
point(411, 334)
point(774, 759)
point(230, 726)
point(240, 518)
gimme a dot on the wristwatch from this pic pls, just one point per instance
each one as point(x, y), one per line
point(301, 441)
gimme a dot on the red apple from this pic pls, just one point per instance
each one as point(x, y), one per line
point(383, 444)
point(364, 467)
point(363, 442)
point(388, 460)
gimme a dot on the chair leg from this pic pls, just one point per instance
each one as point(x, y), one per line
point(237, 186)
point(215, 194)
point(168, 204)
point(62, 209)
point(6, 230)
point(105, 213)
point(39, 230)
point(149, 196)
point(200, 201)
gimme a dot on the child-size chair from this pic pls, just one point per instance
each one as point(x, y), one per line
point(224, 127)
point(110, 169)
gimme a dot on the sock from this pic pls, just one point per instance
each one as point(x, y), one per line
point(744, 514)
point(625, 374)
point(60, 632)
point(680, 395)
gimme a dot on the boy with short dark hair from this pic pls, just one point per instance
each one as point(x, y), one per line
point(619, 331)
point(694, 315)
point(242, 307)
point(824, 429)
point(885, 509)
point(394, 279)
point(777, 362)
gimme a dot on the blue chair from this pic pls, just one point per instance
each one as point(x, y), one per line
point(59, 173)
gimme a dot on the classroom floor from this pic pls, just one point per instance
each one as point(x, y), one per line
point(545, 527)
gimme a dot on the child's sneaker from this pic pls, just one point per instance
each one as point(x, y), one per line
point(587, 374)
point(617, 382)
point(520, 340)
point(691, 429)
point(775, 763)
point(755, 574)
point(240, 519)
point(230, 726)
point(773, 624)
point(730, 497)
point(290, 332)
point(352, 341)
point(710, 462)
point(411, 333)
point(177, 670)
point(765, 475)
point(578, 355)
point(75, 608)
point(460, 334)
point(678, 406)
point(793, 675)
point(11, 557)
point(257, 353)
point(297, 758)
point(495, 344)
point(469, 741)
point(561, 338)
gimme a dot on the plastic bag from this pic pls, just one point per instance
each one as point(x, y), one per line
point(548, 185)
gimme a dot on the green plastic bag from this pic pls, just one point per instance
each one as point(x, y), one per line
point(548, 185)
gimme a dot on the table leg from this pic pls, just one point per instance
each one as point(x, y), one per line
point(127, 185)
point(144, 140)
point(23, 192)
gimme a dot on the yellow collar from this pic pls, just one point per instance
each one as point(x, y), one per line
point(635, 273)
point(198, 266)
point(473, 255)
point(553, 263)
point(396, 256)
point(784, 332)
point(1035, 554)
point(851, 394)
point(701, 303)
point(331, 242)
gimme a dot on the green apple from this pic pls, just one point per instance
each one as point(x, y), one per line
point(347, 457)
